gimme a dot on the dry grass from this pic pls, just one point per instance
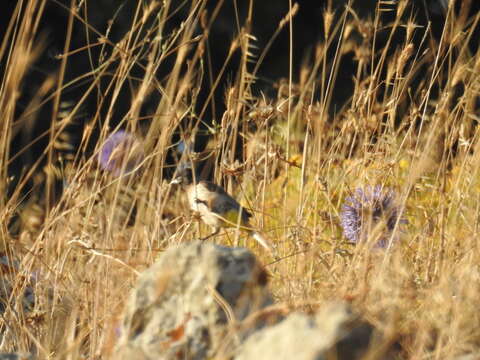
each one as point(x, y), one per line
point(405, 127)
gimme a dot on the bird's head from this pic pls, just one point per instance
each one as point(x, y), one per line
point(184, 174)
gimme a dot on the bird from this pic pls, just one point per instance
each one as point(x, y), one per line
point(216, 207)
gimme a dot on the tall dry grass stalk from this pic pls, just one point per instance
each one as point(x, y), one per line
point(405, 126)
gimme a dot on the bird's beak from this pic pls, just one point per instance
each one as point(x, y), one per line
point(176, 181)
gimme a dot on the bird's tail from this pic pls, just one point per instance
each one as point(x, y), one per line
point(263, 242)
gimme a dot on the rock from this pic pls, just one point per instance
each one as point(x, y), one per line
point(185, 305)
point(469, 357)
point(11, 293)
point(17, 299)
point(15, 356)
point(14, 288)
point(333, 333)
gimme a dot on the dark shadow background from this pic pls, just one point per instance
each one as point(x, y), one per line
point(308, 31)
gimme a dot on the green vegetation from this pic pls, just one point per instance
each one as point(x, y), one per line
point(405, 127)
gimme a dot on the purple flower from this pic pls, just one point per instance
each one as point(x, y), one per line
point(367, 208)
point(121, 153)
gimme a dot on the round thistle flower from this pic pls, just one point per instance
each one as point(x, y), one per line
point(121, 153)
point(365, 209)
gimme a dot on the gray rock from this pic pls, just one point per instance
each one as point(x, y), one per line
point(17, 298)
point(333, 333)
point(16, 301)
point(9, 297)
point(13, 290)
point(186, 306)
point(15, 356)
point(468, 357)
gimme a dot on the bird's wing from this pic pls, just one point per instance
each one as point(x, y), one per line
point(221, 203)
